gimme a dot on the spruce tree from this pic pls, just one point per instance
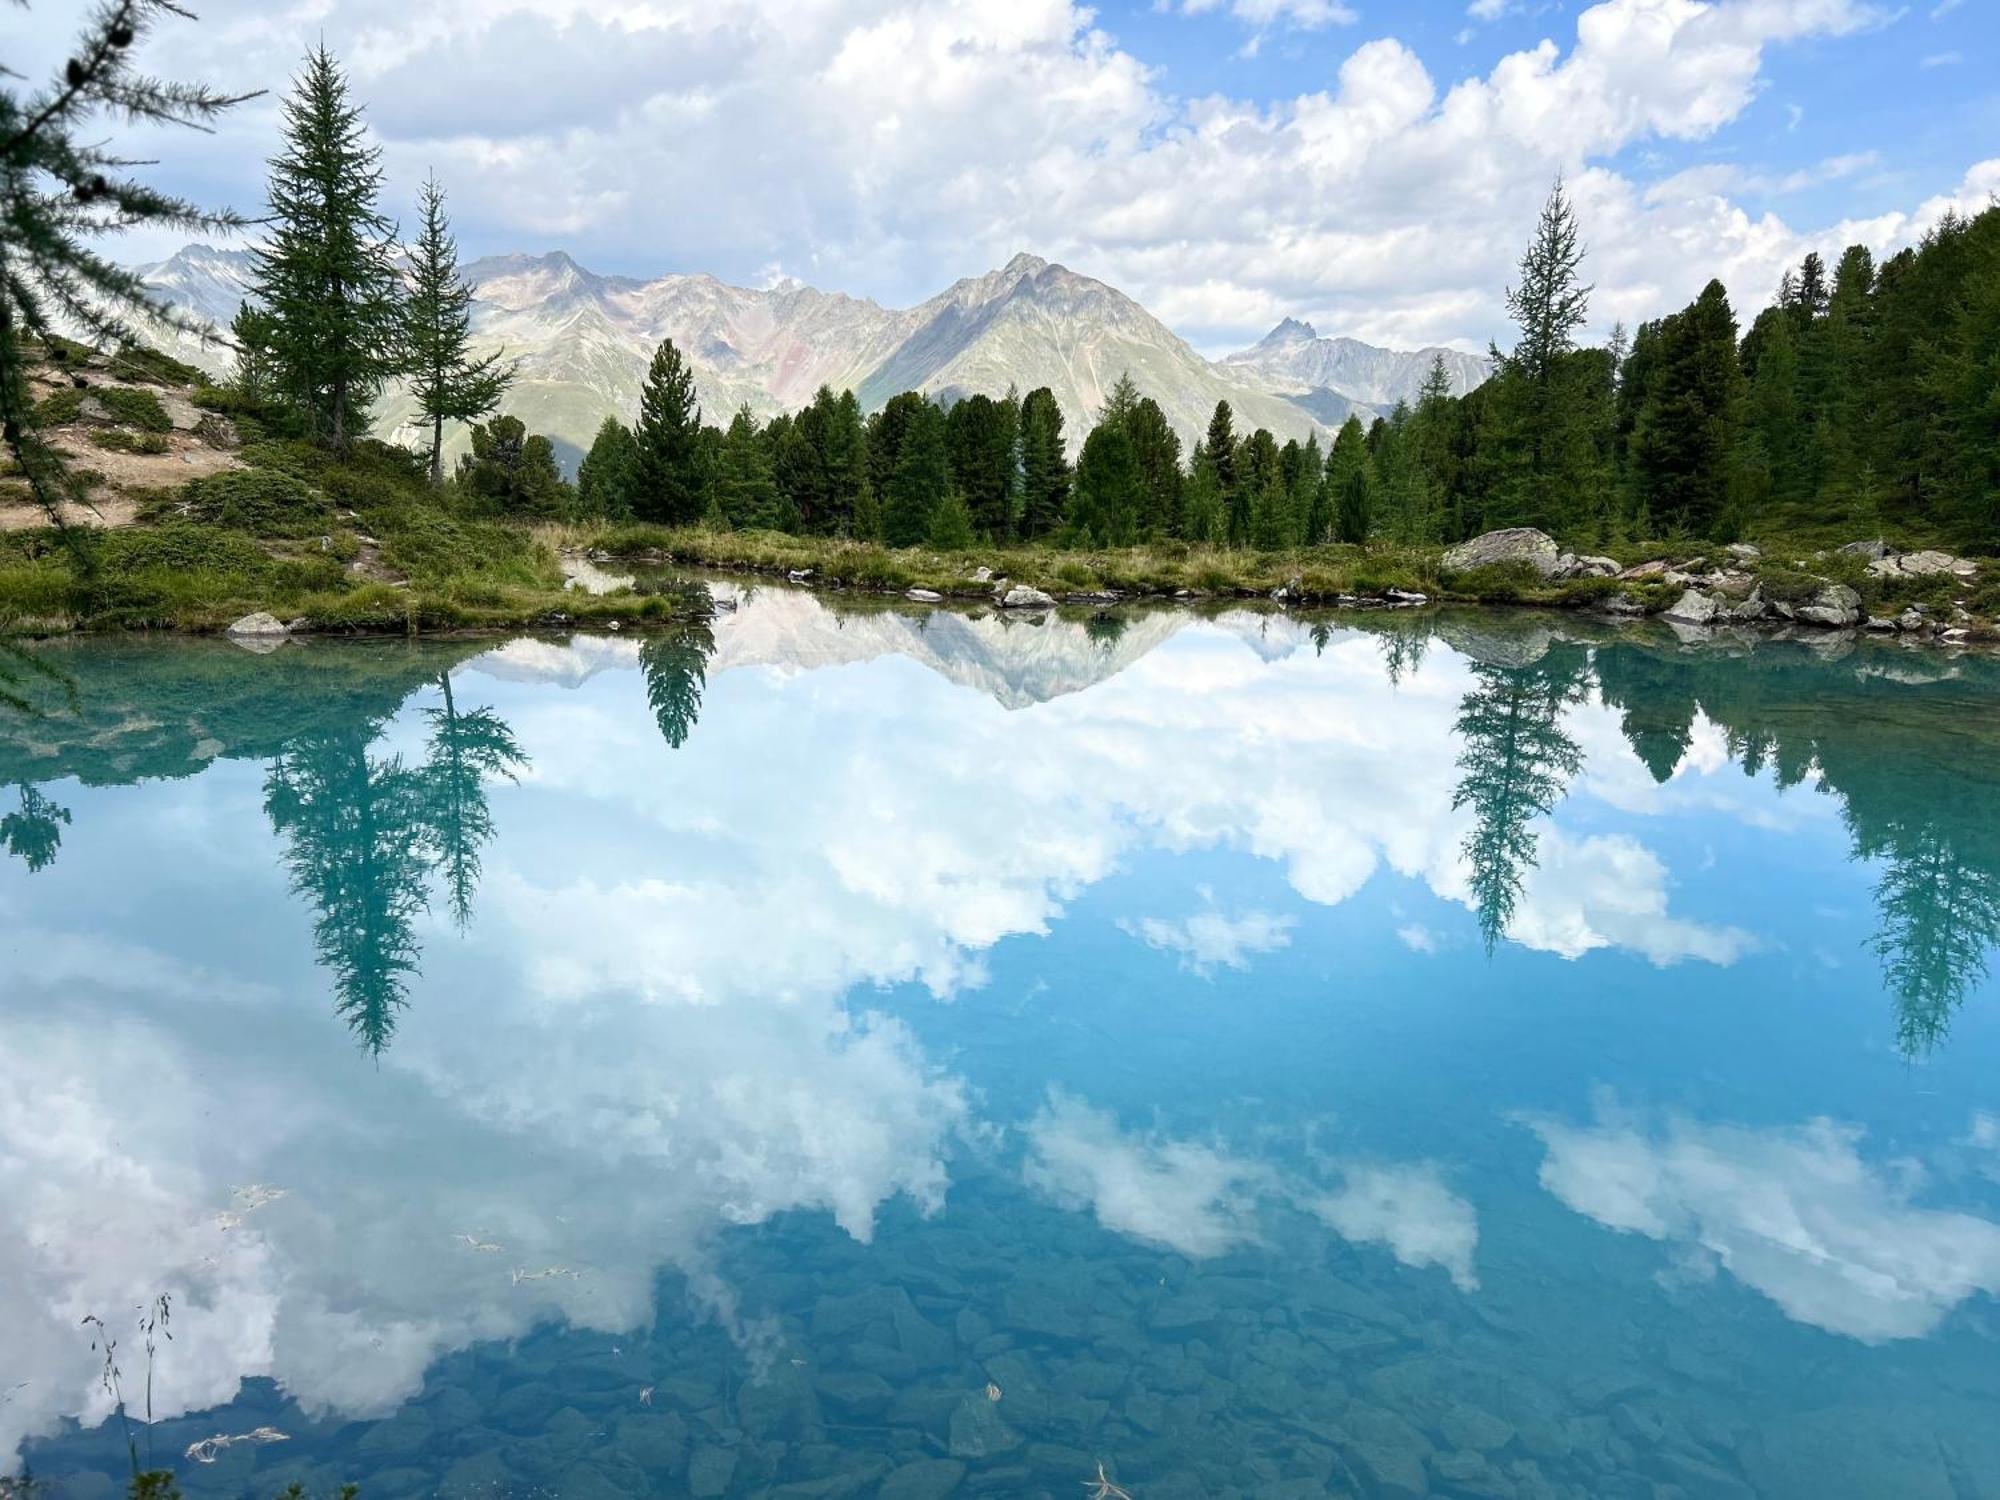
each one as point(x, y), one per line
point(921, 480)
point(62, 191)
point(1106, 499)
point(448, 383)
point(671, 484)
point(1220, 443)
point(608, 478)
point(1349, 483)
point(1156, 451)
point(325, 273)
point(1045, 476)
point(747, 489)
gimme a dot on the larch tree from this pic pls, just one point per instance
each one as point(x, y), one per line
point(325, 273)
point(61, 193)
point(449, 384)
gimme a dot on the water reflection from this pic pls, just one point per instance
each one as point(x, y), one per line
point(32, 833)
point(1092, 1013)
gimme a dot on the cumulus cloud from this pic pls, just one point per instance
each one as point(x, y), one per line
point(1209, 939)
point(1795, 1212)
point(887, 146)
point(1202, 1200)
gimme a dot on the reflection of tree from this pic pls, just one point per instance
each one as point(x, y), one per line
point(33, 833)
point(1517, 763)
point(1106, 628)
point(1656, 704)
point(465, 749)
point(1403, 652)
point(676, 668)
point(355, 831)
point(1940, 915)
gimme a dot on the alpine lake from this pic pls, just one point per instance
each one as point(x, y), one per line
point(854, 1049)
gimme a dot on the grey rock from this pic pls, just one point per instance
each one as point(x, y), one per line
point(1517, 544)
point(1388, 1451)
point(1692, 608)
point(1910, 619)
point(1652, 569)
point(710, 1471)
point(1020, 596)
point(1835, 605)
point(1406, 596)
point(1743, 551)
point(926, 1479)
point(1882, 624)
point(855, 1392)
point(1623, 604)
point(1749, 610)
point(800, 575)
point(982, 575)
point(1923, 565)
point(1481, 1431)
point(1874, 549)
point(977, 1429)
point(259, 624)
point(1596, 567)
point(925, 596)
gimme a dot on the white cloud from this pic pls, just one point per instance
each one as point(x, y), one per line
point(1487, 10)
point(1305, 14)
point(1417, 938)
point(885, 146)
point(1795, 1212)
point(1201, 1200)
point(1209, 939)
point(1188, 1197)
point(1944, 59)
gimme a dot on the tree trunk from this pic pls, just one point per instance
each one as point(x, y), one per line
point(437, 452)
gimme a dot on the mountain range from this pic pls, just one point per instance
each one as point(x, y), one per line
point(582, 342)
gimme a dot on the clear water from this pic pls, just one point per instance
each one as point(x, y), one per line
point(909, 1054)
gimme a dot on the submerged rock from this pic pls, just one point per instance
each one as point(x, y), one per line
point(977, 1429)
point(1516, 544)
point(926, 1479)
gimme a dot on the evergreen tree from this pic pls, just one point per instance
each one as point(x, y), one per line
point(62, 193)
point(981, 438)
point(448, 384)
point(514, 471)
point(608, 478)
point(672, 487)
point(951, 524)
point(746, 484)
point(32, 833)
point(1045, 476)
point(254, 372)
point(325, 272)
point(1686, 443)
point(1349, 483)
point(1220, 443)
point(675, 666)
point(921, 480)
point(467, 749)
point(1258, 516)
point(1202, 519)
point(1106, 500)
point(1306, 479)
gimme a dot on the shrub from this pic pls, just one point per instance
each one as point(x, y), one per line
point(291, 456)
point(117, 440)
point(59, 408)
point(264, 502)
point(139, 363)
point(134, 407)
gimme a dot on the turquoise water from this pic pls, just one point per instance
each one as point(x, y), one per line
point(903, 1053)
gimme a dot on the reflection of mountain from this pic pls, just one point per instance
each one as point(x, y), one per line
point(1015, 661)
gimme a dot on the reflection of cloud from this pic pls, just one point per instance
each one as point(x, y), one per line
point(1417, 937)
point(1408, 1209)
point(1190, 1198)
point(1210, 940)
point(1794, 1212)
point(1610, 891)
point(1201, 1200)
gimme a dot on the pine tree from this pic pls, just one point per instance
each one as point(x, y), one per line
point(672, 487)
point(608, 478)
point(515, 471)
point(1688, 434)
point(747, 489)
point(1220, 443)
point(1045, 476)
point(325, 273)
point(921, 481)
point(449, 385)
point(61, 194)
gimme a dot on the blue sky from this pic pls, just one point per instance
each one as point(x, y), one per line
point(1372, 167)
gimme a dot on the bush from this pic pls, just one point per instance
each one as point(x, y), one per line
point(292, 456)
point(133, 407)
point(264, 502)
point(117, 440)
point(138, 363)
point(59, 408)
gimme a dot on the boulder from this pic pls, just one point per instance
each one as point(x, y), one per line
point(1692, 608)
point(799, 575)
point(259, 624)
point(1020, 596)
point(977, 1430)
point(1835, 605)
point(1910, 619)
point(1923, 565)
point(1748, 610)
point(1596, 567)
point(1653, 569)
point(1743, 551)
point(1405, 596)
point(982, 575)
point(1517, 544)
point(1623, 604)
point(925, 596)
point(1873, 549)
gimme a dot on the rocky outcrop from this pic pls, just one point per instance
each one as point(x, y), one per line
point(1835, 605)
point(1519, 544)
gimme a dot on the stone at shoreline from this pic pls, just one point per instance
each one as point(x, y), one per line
point(1835, 605)
point(1692, 608)
point(925, 596)
point(1623, 604)
point(259, 624)
point(1516, 544)
point(1020, 596)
